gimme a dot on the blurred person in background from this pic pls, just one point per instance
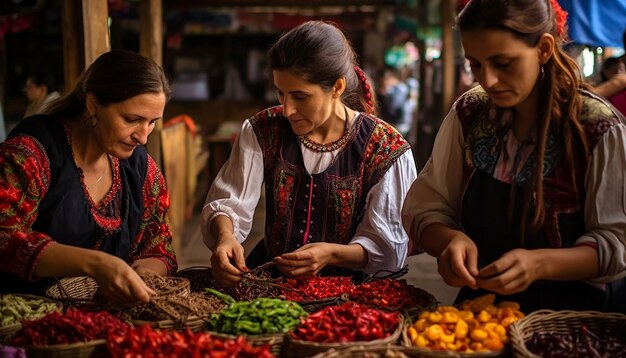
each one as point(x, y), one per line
point(40, 90)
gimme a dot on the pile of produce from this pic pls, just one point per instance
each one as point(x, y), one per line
point(14, 309)
point(478, 326)
point(391, 294)
point(73, 326)
point(349, 322)
point(316, 288)
point(259, 316)
point(582, 344)
point(145, 341)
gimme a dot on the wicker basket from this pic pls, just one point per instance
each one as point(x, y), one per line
point(564, 322)
point(316, 305)
point(7, 331)
point(359, 351)
point(74, 350)
point(75, 291)
point(413, 351)
point(297, 348)
point(200, 277)
point(275, 341)
point(194, 323)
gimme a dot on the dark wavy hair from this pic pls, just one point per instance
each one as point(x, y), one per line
point(320, 53)
point(113, 77)
point(560, 100)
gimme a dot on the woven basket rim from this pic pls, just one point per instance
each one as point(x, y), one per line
point(343, 352)
point(9, 329)
point(68, 346)
point(191, 321)
point(521, 330)
point(426, 352)
point(251, 337)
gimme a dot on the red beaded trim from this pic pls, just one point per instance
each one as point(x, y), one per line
point(560, 17)
point(365, 87)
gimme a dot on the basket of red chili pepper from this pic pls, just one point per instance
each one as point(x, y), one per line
point(341, 326)
point(316, 292)
point(146, 341)
point(393, 295)
point(74, 333)
point(548, 333)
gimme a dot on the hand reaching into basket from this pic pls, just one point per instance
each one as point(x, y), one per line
point(228, 264)
point(120, 283)
point(310, 259)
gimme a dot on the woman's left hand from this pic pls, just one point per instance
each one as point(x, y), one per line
point(149, 266)
point(306, 261)
point(511, 273)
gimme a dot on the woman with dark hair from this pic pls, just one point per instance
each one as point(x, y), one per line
point(524, 193)
point(80, 196)
point(335, 175)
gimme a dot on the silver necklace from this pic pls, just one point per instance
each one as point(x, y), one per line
point(100, 178)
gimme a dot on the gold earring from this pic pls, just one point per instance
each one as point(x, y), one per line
point(91, 121)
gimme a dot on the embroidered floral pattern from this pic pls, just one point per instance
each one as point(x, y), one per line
point(338, 195)
point(344, 193)
point(484, 135)
point(24, 181)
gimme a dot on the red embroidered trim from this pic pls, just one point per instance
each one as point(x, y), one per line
point(104, 218)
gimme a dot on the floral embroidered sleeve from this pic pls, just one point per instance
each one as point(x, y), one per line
point(154, 238)
point(24, 180)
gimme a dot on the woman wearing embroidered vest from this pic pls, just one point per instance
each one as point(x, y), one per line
point(524, 193)
point(80, 196)
point(335, 175)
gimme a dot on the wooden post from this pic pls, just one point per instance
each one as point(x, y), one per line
point(73, 49)
point(151, 46)
point(95, 29)
point(85, 35)
point(447, 54)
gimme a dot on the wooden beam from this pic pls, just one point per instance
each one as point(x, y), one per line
point(447, 54)
point(151, 46)
point(95, 29)
point(151, 29)
point(72, 28)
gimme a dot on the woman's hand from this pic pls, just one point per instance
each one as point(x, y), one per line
point(306, 261)
point(458, 262)
point(119, 283)
point(149, 266)
point(511, 273)
point(228, 263)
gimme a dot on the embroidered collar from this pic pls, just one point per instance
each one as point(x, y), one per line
point(333, 146)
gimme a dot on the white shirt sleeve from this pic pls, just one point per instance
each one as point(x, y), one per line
point(236, 190)
point(605, 203)
point(435, 196)
point(380, 232)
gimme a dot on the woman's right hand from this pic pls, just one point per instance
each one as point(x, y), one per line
point(119, 282)
point(228, 263)
point(458, 262)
